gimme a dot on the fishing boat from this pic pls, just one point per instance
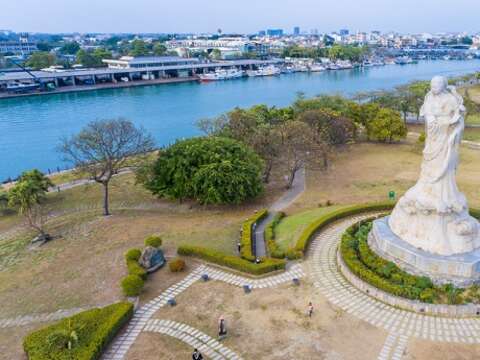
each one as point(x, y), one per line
point(221, 74)
point(316, 68)
point(403, 60)
point(18, 87)
point(344, 64)
point(269, 70)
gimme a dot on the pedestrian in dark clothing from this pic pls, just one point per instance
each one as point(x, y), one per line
point(196, 355)
point(222, 328)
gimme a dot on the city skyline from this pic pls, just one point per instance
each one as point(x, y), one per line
point(251, 17)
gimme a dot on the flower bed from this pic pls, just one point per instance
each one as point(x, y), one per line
point(388, 277)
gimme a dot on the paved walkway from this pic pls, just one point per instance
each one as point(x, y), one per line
point(298, 187)
point(122, 343)
point(400, 324)
point(207, 345)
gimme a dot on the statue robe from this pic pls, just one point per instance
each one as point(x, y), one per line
point(433, 214)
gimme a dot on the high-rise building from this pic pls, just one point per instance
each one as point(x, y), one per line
point(275, 32)
point(296, 30)
point(261, 33)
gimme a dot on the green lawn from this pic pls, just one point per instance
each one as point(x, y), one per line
point(473, 119)
point(290, 228)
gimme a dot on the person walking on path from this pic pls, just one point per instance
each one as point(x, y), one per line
point(310, 309)
point(222, 328)
point(197, 355)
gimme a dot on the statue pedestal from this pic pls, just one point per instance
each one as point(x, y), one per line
point(461, 269)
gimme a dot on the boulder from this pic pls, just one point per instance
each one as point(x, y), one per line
point(151, 259)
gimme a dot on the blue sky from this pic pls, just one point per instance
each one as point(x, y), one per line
point(238, 16)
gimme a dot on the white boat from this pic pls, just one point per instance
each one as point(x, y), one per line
point(344, 64)
point(222, 74)
point(332, 66)
point(403, 60)
point(316, 68)
point(269, 70)
point(288, 69)
point(18, 87)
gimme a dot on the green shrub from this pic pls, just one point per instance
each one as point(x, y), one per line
point(62, 339)
point(134, 268)
point(247, 235)
point(306, 236)
point(176, 265)
point(133, 254)
point(266, 265)
point(293, 254)
point(269, 235)
point(428, 295)
point(153, 241)
point(94, 329)
point(132, 285)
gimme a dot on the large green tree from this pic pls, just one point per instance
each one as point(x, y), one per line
point(139, 48)
point(70, 48)
point(211, 170)
point(41, 59)
point(93, 59)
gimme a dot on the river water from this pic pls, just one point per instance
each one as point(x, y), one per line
point(30, 127)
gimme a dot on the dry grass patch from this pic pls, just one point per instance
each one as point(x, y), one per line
point(367, 172)
point(266, 324)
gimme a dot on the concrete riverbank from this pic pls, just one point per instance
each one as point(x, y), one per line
point(104, 86)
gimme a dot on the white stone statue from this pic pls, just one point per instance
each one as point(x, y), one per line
point(433, 214)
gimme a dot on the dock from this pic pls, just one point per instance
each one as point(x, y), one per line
point(118, 74)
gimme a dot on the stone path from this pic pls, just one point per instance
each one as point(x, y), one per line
point(207, 345)
point(298, 187)
point(122, 343)
point(400, 324)
point(38, 318)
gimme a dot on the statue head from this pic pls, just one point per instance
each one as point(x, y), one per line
point(438, 84)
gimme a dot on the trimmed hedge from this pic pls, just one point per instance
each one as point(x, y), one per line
point(246, 238)
point(266, 265)
point(307, 234)
point(269, 235)
point(94, 329)
point(132, 285)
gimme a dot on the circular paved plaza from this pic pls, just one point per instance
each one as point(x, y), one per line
point(399, 323)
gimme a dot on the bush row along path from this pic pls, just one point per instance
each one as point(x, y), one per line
point(124, 341)
point(400, 324)
point(298, 187)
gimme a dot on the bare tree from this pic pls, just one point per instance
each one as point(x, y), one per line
point(299, 148)
point(103, 147)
